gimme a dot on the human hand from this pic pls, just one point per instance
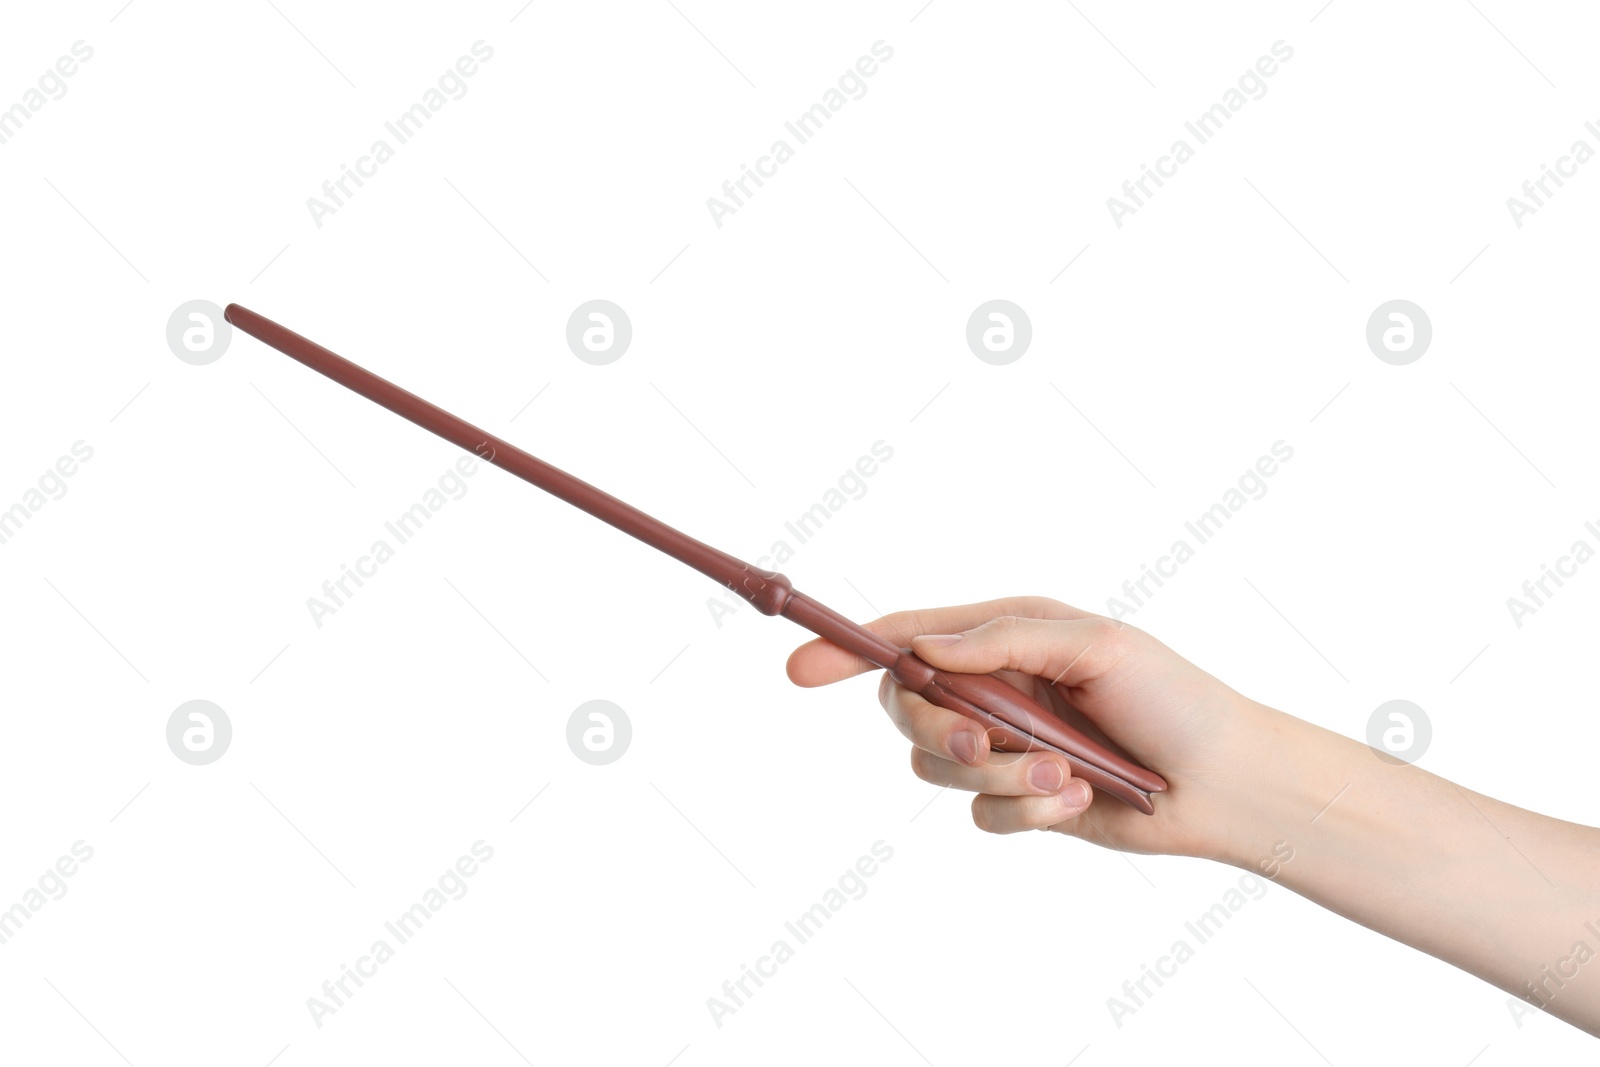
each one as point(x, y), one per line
point(1487, 886)
point(1113, 681)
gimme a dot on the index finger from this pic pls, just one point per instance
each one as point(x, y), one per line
point(819, 662)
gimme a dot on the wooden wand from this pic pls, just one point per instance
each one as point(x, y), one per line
point(1015, 722)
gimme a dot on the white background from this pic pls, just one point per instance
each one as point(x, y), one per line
point(769, 354)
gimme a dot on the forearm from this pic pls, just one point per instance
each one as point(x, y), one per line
point(1506, 894)
point(1503, 893)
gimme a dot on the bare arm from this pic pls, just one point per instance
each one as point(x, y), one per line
point(1506, 894)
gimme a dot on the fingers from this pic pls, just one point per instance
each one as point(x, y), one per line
point(1009, 815)
point(1064, 651)
point(820, 662)
point(937, 731)
point(1002, 774)
point(951, 750)
point(1027, 791)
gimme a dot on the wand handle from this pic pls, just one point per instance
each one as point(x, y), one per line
point(1015, 722)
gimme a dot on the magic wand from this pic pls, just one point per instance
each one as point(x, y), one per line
point(1015, 722)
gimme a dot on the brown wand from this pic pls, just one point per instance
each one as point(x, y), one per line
point(1015, 722)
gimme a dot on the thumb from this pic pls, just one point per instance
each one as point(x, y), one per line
point(1068, 651)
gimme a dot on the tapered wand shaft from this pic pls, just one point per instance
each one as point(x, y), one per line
point(1015, 722)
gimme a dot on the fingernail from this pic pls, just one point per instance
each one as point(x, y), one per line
point(1046, 777)
point(1077, 794)
point(939, 640)
point(964, 746)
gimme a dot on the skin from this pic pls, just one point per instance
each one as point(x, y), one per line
point(1506, 894)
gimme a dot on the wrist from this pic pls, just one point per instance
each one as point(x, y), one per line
point(1283, 776)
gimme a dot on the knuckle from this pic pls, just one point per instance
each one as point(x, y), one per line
point(986, 814)
point(1104, 630)
point(925, 766)
point(1039, 607)
point(1002, 630)
point(981, 816)
point(1024, 642)
point(1113, 636)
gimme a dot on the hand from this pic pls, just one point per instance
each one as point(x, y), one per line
point(1146, 699)
point(1495, 889)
